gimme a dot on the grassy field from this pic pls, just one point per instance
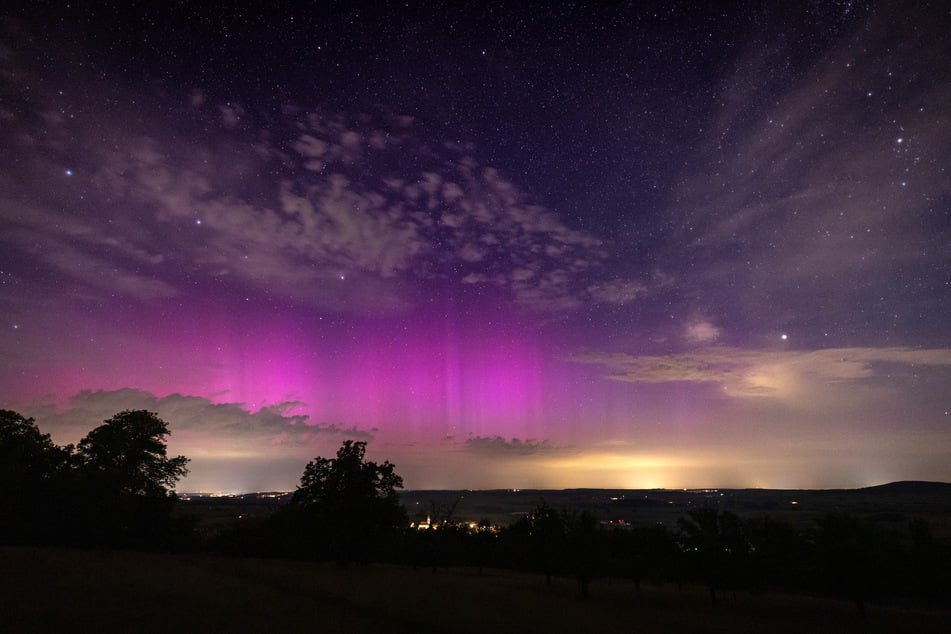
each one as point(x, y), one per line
point(48, 590)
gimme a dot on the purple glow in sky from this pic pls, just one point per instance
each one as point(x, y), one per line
point(649, 246)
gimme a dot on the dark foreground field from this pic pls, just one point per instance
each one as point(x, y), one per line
point(63, 590)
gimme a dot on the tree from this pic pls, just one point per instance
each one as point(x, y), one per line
point(130, 449)
point(547, 532)
point(855, 558)
point(484, 539)
point(350, 502)
point(716, 546)
point(584, 553)
point(644, 552)
point(779, 553)
point(127, 478)
point(927, 563)
point(30, 467)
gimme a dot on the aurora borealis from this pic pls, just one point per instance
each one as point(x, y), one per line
point(511, 245)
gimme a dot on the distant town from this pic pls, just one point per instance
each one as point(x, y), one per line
point(887, 504)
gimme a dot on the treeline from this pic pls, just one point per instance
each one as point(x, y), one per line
point(112, 489)
point(347, 510)
point(843, 556)
point(115, 488)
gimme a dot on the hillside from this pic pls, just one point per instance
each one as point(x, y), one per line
point(62, 590)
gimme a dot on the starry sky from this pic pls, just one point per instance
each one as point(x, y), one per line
point(654, 244)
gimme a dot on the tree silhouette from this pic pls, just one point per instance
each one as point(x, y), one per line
point(716, 546)
point(483, 539)
point(584, 548)
point(126, 479)
point(351, 503)
point(31, 466)
point(643, 552)
point(855, 558)
point(778, 553)
point(547, 538)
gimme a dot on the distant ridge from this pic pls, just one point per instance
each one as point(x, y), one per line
point(906, 487)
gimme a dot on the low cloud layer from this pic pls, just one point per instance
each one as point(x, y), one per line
point(206, 428)
point(745, 373)
point(498, 447)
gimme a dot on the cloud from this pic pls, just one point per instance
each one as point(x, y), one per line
point(825, 179)
point(230, 447)
point(498, 447)
point(204, 426)
point(452, 218)
point(106, 275)
point(231, 114)
point(782, 374)
point(291, 207)
point(701, 332)
point(73, 245)
point(617, 292)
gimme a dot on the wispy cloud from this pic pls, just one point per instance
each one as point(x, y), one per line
point(778, 374)
point(617, 291)
point(835, 175)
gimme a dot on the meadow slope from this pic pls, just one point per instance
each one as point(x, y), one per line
point(109, 591)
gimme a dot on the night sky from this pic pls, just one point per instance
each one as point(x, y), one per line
point(527, 245)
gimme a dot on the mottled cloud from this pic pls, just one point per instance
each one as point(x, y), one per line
point(346, 211)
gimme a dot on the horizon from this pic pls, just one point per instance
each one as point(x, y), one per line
point(518, 490)
point(577, 247)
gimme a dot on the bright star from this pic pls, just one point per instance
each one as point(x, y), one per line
point(69, 172)
point(784, 336)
